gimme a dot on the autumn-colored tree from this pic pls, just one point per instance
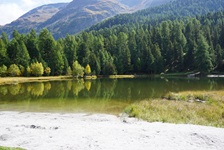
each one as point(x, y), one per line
point(78, 70)
point(37, 69)
point(14, 70)
point(88, 70)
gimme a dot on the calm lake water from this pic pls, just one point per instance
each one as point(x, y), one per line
point(95, 96)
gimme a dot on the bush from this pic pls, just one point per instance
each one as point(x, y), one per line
point(47, 71)
point(37, 69)
point(3, 71)
point(14, 70)
point(78, 70)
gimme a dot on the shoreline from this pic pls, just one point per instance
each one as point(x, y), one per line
point(100, 131)
point(16, 80)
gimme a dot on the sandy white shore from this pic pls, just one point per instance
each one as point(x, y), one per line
point(44, 131)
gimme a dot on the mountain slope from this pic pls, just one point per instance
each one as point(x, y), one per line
point(33, 18)
point(173, 10)
point(79, 15)
point(62, 19)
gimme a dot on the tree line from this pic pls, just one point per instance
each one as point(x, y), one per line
point(189, 44)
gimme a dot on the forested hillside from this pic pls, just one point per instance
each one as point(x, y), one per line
point(189, 44)
point(176, 9)
point(74, 17)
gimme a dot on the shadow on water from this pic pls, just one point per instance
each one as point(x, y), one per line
point(101, 95)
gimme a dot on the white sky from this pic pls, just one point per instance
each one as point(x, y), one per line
point(11, 10)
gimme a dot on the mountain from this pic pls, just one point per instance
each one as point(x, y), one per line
point(79, 15)
point(33, 18)
point(62, 19)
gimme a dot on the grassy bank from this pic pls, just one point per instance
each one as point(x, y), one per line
point(16, 80)
point(10, 148)
point(200, 108)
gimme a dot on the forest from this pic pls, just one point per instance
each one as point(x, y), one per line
point(181, 45)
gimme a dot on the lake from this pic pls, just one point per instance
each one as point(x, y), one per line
point(95, 96)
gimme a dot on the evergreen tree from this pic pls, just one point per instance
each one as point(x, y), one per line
point(70, 49)
point(58, 63)
point(219, 57)
point(32, 46)
point(46, 45)
point(203, 59)
point(123, 61)
point(50, 52)
point(5, 39)
point(3, 53)
point(22, 55)
point(158, 62)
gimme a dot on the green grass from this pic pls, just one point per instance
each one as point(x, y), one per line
point(10, 148)
point(200, 108)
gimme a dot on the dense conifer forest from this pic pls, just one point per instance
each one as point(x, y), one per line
point(181, 45)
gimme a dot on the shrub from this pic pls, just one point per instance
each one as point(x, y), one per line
point(37, 69)
point(14, 70)
point(78, 70)
point(47, 71)
point(3, 71)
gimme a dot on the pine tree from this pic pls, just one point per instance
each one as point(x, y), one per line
point(32, 46)
point(219, 57)
point(203, 59)
point(70, 49)
point(3, 53)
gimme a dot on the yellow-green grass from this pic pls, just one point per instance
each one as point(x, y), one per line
point(89, 77)
point(121, 76)
point(10, 148)
point(200, 108)
point(128, 76)
point(16, 80)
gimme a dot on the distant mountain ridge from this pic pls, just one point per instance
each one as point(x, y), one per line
point(73, 17)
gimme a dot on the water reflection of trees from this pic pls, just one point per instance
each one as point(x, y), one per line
point(14, 89)
point(3, 90)
point(105, 89)
point(37, 89)
point(77, 86)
